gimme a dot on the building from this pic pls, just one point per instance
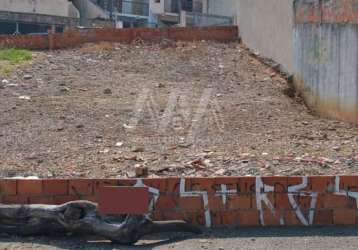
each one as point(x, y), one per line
point(37, 16)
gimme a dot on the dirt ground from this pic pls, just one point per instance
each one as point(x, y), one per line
point(294, 238)
point(192, 109)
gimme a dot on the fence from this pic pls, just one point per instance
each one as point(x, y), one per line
point(202, 20)
point(135, 8)
point(74, 38)
point(213, 202)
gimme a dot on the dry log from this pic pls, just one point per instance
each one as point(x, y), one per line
point(82, 217)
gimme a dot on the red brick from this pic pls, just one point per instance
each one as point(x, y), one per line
point(247, 185)
point(55, 187)
point(249, 218)
point(92, 198)
point(123, 200)
point(344, 216)
point(8, 187)
point(47, 200)
point(172, 215)
point(61, 199)
point(196, 218)
point(348, 183)
point(127, 182)
point(335, 201)
point(270, 197)
point(191, 203)
point(230, 218)
point(158, 183)
point(232, 183)
point(166, 202)
point(216, 203)
point(105, 182)
point(303, 201)
point(322, 184)
point(15, 199)
point(320, 200)
point(242, 201)
point(271, 219)
point(323, 217)
point(282, 201)
point(29, 187)
point(279, 183)
point(200, 184)
point(81, 187)
point(291, 218)
point(297, 180)
point(173, 185)
point(158, 216)
point(217, 218)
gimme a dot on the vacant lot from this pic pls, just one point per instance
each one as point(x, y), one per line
point(193, 109)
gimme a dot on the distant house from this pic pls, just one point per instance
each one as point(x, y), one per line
point(37, 16)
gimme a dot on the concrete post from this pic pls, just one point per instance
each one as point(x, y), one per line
point(82, 7)
point(182, 18)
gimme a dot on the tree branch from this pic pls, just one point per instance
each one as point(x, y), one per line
point(82, 217)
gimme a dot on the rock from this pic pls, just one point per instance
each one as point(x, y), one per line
point(131, 174)
point(60, 128)
point(4, 81)
point(107, 91)
point(161, 85)
point(140, 170)
point(65, 89)
point(27, 77)
point(24, 97)
point(126, 126)
point(138, 149)
point(130, 157)
point(220, 172)
point(104, 151)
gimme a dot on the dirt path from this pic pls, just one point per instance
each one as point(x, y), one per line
point(295, 238)
point(193, 109)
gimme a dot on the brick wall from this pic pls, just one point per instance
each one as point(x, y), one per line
point(329, 11)
point(74, 38)
point(242, 201)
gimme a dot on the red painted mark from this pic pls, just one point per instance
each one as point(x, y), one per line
point(123, 200)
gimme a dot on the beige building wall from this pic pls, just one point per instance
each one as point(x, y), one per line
point(48, 7)
point(267, 27)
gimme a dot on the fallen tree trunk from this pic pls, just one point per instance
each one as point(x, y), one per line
point(82, 217)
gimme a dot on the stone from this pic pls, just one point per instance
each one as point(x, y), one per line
point(4, 81)
point(24, 97)
point(140, 170)
point(161, 85)
point(65, 89)
point(138, 149)
point(27, 77)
